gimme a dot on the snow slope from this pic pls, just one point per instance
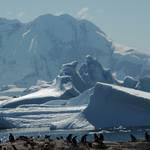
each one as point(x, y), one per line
point(103, 106)
point(58, 114)
point(60, 117)
point(58, 89)
point(112, 105)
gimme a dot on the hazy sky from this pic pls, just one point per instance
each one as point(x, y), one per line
point(127, 22)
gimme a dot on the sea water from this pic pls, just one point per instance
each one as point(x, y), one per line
point(110, 135)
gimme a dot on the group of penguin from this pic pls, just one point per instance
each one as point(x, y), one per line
point(146, 137)
point(97, 139)
point(70, 139)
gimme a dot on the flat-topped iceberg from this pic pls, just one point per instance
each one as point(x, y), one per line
point(112, 105)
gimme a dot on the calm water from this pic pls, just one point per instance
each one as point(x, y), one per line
point(120, 134)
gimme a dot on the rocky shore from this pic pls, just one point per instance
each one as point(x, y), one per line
point(62, 145)
point(70, 143)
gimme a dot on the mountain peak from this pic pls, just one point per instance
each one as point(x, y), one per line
point(51, 17)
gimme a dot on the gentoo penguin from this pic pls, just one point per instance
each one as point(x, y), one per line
point(11, 138)
point(133, 138)
point(69, 138)
point(147, 136)
point(83, 138)
point(74, 141)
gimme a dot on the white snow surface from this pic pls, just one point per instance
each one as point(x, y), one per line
point(41, 96)
point(104, 106)
point(62, 114)
point(62, 117)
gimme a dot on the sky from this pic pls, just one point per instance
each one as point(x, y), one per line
point(126, 22)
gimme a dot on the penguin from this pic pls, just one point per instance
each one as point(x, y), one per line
point(69, 138)
point(147, 136)
point(11, 138)
point(57, 138)
point(25, 138)
point(47, 136)
point(133, 138)
point(101, 136)
point(83, 139)
point(99, 140)
point(96, 138)
point(74, 141)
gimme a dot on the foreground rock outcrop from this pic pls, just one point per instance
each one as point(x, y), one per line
point(46, 144)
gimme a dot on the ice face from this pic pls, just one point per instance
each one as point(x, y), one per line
point(112, 105)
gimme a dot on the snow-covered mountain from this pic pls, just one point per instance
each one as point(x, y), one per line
point(36, 50)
